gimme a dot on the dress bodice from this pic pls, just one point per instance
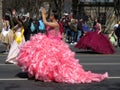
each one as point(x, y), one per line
point(96, 27)
point(53, 33)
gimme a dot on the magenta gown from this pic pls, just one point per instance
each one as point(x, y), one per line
point(96, 42)
point(47, 58)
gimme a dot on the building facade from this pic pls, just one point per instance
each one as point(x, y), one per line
point(109, 9)
point(102, 9)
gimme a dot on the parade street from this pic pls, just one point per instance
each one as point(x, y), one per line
point(12, 78)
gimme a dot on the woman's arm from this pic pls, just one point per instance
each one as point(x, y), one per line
point(16, 18)
point(100, 28)
point(52, 24)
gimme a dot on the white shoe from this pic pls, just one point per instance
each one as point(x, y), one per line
point(75, 43)
point(10, 62)
point(66, 40)
point(71, 43)
point(5, 52)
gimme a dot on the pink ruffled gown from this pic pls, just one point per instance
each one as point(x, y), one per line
point(48, 58)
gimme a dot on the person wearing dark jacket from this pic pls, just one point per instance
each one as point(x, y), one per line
point(117, 32)
point(26, 25)
point(80, 29)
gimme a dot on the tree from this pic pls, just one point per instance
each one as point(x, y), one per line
point(117, 8)
point(75, 7)
point(58, 5)
point(31, 6)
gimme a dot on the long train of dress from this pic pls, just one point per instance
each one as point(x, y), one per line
point(49, 60)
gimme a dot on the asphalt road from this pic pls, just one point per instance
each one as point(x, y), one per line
point(12, 78)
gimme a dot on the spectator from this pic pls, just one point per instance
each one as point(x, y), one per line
point(6, 36)
point(73, 31)
point(26, 25)
point(66, 21)
point(41, 26)
point(113, 38)
point(117, 32)
point(80, 29)
point(90, 23)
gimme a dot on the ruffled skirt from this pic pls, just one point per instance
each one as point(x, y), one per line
point(96, 42)
point(51, 60)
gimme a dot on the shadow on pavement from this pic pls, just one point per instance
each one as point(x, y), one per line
point(87, 52)
point(22, 75)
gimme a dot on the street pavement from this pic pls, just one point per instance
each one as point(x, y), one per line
point(12, 78)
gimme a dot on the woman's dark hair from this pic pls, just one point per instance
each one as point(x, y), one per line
point(95, 21)
point(54, 13)
point(7, 17)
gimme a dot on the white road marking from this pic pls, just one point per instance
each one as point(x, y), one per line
point(13, 79)
point(109, 55)
point(21, 79)
point(80, 63)
point(113, 77)
point(7, 65)
point(78, 54)
point(100, 63)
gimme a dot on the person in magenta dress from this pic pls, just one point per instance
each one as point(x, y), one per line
point(48, 58)
point(96, 41)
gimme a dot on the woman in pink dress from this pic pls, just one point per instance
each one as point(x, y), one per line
point(48, 58)
point(96, 41)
